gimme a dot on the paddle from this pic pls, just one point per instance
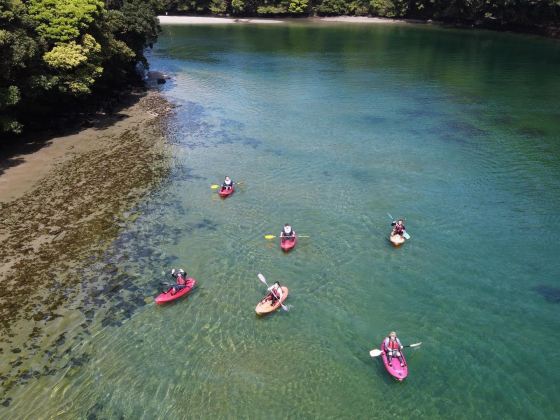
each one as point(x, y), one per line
point(261, 278)
point(273, 236)
point(218, 186)
point(177, 286)
point(406, 235)
point(377, 352)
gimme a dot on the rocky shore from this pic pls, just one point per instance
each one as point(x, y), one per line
point(64, 203)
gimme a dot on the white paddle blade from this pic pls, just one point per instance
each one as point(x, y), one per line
point(416, 344)
point(375, 353)
point(406, 236)
point(261, 278)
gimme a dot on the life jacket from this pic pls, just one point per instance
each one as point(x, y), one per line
point(181, 280)
point(393, 344)
point(276, 292)
point(399, 228)
point(288, 230)
point(227, 182)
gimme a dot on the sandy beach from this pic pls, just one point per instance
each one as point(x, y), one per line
point(207, 20)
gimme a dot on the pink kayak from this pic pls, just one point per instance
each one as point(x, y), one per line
point(224, 192)
point(289, 244)
point(168, 297)
point(396, 370)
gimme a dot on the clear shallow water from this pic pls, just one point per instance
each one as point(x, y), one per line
point(330, 127)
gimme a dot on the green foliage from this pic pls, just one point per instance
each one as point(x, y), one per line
point(270, 10)
point(64, 20)
point(333, 7)
point(298, 6)
point(237, 5)
point(389, 8)
point(55, 53)
point(218, 6)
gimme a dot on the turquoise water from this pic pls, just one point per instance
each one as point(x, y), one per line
point(331, 127)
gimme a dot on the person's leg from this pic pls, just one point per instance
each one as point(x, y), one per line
point(390, 356)
point(401, 359)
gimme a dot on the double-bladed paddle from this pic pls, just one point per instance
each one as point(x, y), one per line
point(218, 186)
point(377, 352)
point(177, 286)
point(274, 236)
point(261, 278)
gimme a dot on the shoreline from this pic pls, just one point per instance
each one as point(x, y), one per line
point(546, 32)
point(218, 20)
point(58, 203)
point(25, 163)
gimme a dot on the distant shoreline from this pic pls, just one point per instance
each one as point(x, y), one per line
point(549, 32)
point(210, 20)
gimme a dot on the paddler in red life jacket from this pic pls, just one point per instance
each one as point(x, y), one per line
point(398, 229)
point(275, 293)
point(393, 348)
point(287, 233)
point(227, 184)
point(181, 277)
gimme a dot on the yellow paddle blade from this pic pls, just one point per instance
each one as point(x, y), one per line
point(239, 183)
point(303, 236)
point(214, 187)
point(269, 236)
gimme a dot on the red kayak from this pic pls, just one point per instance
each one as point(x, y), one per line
point(168, 297)
point(396, 370)
point(224, 192)
point(289, 244)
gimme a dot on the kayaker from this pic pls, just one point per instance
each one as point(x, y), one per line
point(180, 277)
point(393, 348)
point(227, 184)
point(287, 233)
point(275, 293)
point(398, 229)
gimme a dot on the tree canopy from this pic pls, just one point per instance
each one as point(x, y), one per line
point(57, 52)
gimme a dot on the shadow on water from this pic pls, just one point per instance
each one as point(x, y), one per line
point(550, 293)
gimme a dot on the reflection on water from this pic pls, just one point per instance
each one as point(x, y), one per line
point(330, 128)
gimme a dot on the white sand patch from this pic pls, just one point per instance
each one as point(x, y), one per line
point(358, 19)
point(201, 20)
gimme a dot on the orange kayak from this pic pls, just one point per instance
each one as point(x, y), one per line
point(264, 306)
point(397, 239)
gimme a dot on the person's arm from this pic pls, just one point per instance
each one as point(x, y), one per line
point(394, 223)
point(281, 293)
point(173, 274)
point(399, 341)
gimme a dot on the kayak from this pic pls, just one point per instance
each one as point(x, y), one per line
point(396, 370)
point(168, 297)
point(225, 192)
point(289, 244)
point(266, 307)
point(396, 239)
